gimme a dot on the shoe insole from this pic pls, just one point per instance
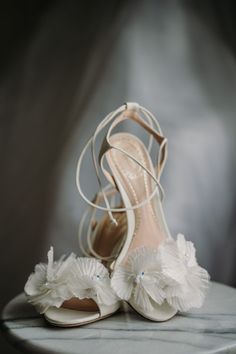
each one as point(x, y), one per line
point(138, 185)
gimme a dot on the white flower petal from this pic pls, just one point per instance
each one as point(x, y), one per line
point(189, 293)
point(93, 281)
point(186, 250)
point(105, 294)
point(49, 285)
point(50, 263)
point(36, 280)
point(142, 298)
point(154, 290)
point(172, 266)
point(181, 243)
point(122, 283)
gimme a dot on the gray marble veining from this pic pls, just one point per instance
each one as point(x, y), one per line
point(211, 329)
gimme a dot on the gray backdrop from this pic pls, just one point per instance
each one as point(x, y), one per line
point(68, 65)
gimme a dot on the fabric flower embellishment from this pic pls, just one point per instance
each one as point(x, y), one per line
point(140, 278)
point(93, 281)
point(186, 281)
point(52, 283)
point(170, 273)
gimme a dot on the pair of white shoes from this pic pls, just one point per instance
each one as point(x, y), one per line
point(130, 254)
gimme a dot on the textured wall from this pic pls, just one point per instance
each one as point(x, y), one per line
point(63, 69)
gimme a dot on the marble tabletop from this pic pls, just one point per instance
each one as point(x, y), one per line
point(211, 329)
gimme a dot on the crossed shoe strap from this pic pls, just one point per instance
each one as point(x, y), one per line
point(131, 113)
point(92, 224)
point(127, 111)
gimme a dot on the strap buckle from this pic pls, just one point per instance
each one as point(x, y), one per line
point(132, 106)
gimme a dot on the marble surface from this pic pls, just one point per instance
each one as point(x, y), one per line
point(212, 329)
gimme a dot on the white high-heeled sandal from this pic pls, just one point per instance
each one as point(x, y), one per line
point(72, 291)
point(75, 290)
point(154, 273)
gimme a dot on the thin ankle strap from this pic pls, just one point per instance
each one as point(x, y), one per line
point(126, 111)
point(162, 141)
